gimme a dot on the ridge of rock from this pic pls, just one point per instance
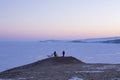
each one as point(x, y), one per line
point(60, 60)
point(53, 61)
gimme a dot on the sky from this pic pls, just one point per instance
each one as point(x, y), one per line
point(58, 19)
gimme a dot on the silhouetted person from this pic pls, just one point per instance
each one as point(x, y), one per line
point(63, 53)
point(55, 54)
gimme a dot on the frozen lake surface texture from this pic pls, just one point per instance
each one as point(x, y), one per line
point(14, 54)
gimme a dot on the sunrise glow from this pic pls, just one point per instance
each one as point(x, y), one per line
point(58, 19)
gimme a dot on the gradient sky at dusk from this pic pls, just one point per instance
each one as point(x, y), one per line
point(58, 19)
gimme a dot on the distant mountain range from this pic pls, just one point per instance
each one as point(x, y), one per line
point(112, 41)
point(99, 40)
point(92, 40)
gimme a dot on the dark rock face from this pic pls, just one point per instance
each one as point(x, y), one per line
point(54, 61)
point(46, 66)
point(59, 61)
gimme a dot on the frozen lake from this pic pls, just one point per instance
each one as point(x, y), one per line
point(14, 54)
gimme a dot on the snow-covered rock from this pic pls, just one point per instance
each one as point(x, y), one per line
point(75, 78)
point(89, 71)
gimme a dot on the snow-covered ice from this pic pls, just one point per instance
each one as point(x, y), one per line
point(14, 54)
point(75, 78)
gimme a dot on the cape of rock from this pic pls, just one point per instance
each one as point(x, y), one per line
point(62, 68)
point(49, 66)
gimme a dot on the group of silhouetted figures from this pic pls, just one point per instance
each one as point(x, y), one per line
point(55, 54)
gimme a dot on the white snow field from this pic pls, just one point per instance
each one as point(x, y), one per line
point(13, 54)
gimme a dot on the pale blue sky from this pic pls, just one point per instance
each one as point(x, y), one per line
point(59, 19)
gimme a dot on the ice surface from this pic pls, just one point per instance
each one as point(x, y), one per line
point(14, 54)
point(75, 78)
point(89, 71)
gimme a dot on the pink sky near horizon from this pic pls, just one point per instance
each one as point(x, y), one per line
point(61, 19)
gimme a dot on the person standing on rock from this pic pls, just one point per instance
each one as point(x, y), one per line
point(55, 54)
point(63, 53)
